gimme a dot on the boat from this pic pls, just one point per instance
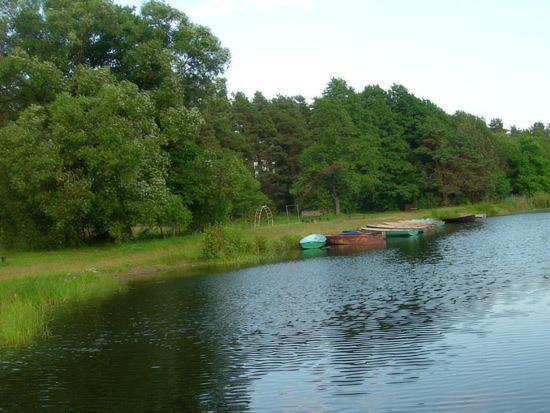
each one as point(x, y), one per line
point(314, 252)
point(402, 226)
point(361, 239)
point(337, 250)
point(480, 217)
point(392, 232)
point(313, 241)
point(426, 221)
point(351, 232)
point(425, 225)
point(460, 219)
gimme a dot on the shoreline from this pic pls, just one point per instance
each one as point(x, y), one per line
point(31, 294)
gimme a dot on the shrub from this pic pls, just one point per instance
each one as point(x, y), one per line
point(221, 242)
point(261, 244)
point(487, 208)
point(541, 200)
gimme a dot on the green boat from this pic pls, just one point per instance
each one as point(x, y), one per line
point(411, 232)
point(313, 241)
point(394, 232)
point(314, 253)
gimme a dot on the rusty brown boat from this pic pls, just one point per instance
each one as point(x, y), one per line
point(360, 240)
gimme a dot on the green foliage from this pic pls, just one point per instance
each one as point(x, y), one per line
point(342, 161)
point(215, 185)
point(26, 80)
point(148, 48)
point(112, 119)
point(222, 242)
point(227, 244)
point(398, 181)
point(541, 200)
point(529, 162)
point(87, 166)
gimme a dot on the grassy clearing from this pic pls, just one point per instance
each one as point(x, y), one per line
point(33, 285)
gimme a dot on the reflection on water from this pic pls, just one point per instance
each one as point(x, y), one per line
point(454, 323)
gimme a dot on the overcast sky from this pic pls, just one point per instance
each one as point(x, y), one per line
point(487, 57)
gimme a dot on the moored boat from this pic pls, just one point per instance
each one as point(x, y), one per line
point(314, 252)
point(460, 219)
point(361, 239)
point(401, 226)
point(392, 231)
point(424, 222)
point(313, 241)
point(350, 249)
point(424, 225)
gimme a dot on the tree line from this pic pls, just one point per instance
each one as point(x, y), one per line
point(111, 119)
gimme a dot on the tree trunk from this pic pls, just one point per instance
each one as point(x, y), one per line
point(336, 201)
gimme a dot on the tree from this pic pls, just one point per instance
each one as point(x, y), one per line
point(398, 178)
point(340, 163)
point(25, 80)
point(538, 129)
point(216, 186)
point(497, 125)
point(88, 166)
point(145, 48)
point(290, 116)
point(529, 160)
point(217, 130)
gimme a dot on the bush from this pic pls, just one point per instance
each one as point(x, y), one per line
point(261, 244)
point(541, 200)
point(488, 208)
point(517, 203)
point(285, 244)
point(221, 242)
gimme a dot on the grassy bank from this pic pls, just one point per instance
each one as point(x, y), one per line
point(28, 303)
point(33, 285)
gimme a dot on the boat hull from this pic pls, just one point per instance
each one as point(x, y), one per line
point(403, 233)
point(313, 241)
point(393, 232)
point(312, 245)
point(360, 240)
point(337, 250)
point(459, 220)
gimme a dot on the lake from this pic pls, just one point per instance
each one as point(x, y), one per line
point(460, 322)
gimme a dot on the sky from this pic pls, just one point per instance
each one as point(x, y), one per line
point(486, 57)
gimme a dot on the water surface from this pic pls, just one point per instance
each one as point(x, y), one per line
point(456, 323)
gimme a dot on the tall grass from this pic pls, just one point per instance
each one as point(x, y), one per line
point(27, 304)
point(540, 200)
point(229, 245)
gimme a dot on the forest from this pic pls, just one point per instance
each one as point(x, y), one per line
point(113, 118)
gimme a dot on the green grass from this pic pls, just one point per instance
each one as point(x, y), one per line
point(27, 304)
point(35, 285)
point(510, 205)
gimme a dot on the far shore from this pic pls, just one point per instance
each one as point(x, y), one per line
point(137, 258)
point(35, 284)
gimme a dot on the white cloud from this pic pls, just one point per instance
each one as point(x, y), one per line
point(227, 7)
